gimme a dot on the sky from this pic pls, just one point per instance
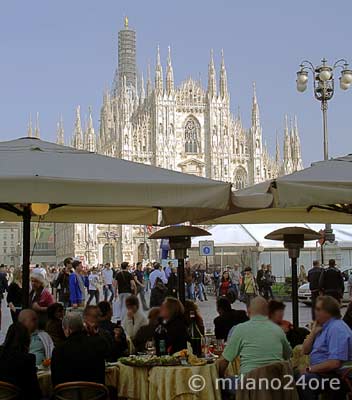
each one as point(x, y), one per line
point(55, 55)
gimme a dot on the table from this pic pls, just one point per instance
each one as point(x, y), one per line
point(167, 383)
point(44, 378)
point(133, 382)
point(171, 383)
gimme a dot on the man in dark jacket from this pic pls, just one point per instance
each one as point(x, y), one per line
point(3, 285)
point(62, 285)
point(80, 357)
point(331, 282)
point(227, 318)
point(313, 279)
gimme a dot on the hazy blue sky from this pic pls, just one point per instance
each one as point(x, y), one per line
point(55, 55)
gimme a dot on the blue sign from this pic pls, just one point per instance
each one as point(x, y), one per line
point(206, 250)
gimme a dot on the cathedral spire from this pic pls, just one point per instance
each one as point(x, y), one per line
point(158, 74)
point(36, 128)
point(169, 74)
point(287, 166)
point(298, 164)
point(89, 135)
point(142, 93)
point(211, 76)
point(60, 134)
point(29, 127)
point(77, 140)
point(277, 153)
point(255, 109)
point(223, 77)
point(149, 81)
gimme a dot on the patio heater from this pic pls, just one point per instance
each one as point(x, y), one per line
point(294, 238)
point(180, 240)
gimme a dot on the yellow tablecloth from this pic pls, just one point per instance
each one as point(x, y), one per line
point(133, 382)
point(44, 378)
point(175, 383)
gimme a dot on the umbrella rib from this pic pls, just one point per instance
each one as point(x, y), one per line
point(342, 208)
point(11, 208)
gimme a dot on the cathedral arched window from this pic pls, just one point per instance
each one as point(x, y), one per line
point(240, 178)
point(192, 133)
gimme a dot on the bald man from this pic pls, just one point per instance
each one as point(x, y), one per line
point(258, 341)
point(41, 343)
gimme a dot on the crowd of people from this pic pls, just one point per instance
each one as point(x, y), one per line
point(78, 337)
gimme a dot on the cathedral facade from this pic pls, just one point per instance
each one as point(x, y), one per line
point(187, 128)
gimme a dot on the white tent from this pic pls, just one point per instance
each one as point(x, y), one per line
point(321, 193)
point(252, 236)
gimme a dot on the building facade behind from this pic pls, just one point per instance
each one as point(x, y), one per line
point(187, 128)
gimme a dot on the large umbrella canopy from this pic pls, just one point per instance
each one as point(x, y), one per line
point(80, 186)
point(321, 193)
point(86, 187)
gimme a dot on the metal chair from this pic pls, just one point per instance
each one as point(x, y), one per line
point(346, 378)
point(8, 391)
point(81, 391)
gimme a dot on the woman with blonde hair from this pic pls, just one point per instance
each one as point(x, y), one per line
point(40, 298)
point(15, 294)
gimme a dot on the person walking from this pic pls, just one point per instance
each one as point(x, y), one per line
point(108, 278)
point(125, 287)
point(189, 279)
point(172, 283)
point(249, 286)
point(235, 276)
point(77, 285)
point(3, 285)
point(140, 284)
point(313, 279)
point(331, 282)
point(261, 278)
point(268, 281)
point(15, 294)
point(62, 285)
point(302, 277)
point(93, 289)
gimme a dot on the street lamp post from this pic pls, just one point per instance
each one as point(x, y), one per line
point(324, 87)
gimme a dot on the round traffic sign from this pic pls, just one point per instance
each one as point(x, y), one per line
point(206, 250)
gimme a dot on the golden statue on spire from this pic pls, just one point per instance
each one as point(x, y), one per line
point(126, 22)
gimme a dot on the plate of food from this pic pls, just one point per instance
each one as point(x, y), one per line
point(149, 361)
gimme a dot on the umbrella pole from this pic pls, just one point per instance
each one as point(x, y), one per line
point(181, 280)
point(294, 293)
point(26, 254)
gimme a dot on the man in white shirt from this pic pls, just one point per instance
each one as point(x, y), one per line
point(108, 277)
point(93, 289)
point(157, 273)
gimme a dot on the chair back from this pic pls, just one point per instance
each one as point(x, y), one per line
point(9, 391)
point(80, 391)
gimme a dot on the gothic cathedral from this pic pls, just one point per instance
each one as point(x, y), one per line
point(186, 128)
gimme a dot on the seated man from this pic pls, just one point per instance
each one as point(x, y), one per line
point(257, 342)
point(329, 346)
point(80, 357)
point(41, 343)
point(227, 318)
point(120, 346)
